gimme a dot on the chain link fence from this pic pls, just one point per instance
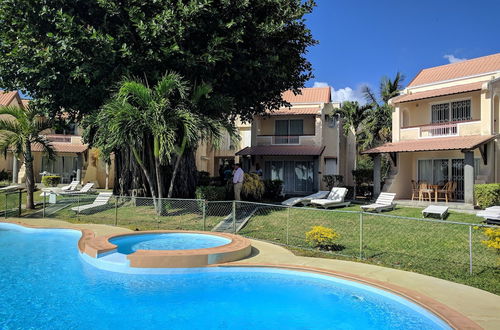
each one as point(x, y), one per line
point(11, 203)
point(380, 238)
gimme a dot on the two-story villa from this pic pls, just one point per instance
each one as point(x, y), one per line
point(445, 128)
point(74, 160)
point(301, 143)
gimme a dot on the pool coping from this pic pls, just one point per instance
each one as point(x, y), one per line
point(238, 248)
point(452, 317)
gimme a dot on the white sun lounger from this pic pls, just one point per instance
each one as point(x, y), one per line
point(101, 200)
point(385, 201)
point(71, 186)
point(305, 200)
point(85, 189)
point(10, 188)
point(442, 211)
point(334, 199)
point(490, 214)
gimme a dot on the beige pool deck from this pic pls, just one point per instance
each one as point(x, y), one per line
point(479, 306)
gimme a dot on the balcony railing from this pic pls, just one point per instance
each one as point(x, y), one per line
point(442, 129)
point(452, 128)
point(285, 139)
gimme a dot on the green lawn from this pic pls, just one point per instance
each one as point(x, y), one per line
point(432, 248)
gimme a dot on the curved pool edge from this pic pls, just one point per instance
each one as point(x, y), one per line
point(452, 317)
point(238, 248)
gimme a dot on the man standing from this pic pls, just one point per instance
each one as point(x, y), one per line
point(238, 177)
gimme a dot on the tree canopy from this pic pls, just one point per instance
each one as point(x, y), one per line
point(70, 54)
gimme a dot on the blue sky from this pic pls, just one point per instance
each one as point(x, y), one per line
point(361, 41)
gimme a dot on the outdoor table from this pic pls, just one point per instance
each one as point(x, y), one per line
point(436, 188)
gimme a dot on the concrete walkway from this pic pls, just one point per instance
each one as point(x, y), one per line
point(480, 306)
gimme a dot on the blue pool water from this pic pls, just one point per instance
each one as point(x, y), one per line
point(44, 284)
point(169, 241)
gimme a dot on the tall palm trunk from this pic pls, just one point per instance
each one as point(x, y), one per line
point(30, 176)
point(146, 174)
point(176, 166)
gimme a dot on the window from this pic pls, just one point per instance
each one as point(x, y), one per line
point(330, 166)
point(288, 131)
point(451, 111)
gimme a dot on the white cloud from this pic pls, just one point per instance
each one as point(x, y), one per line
point(348, 94)
point(320, 84)
point(452, 59)
point(344, 94)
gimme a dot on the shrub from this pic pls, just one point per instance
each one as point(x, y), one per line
point(321, 237)
point(203, 178)
point(363, 175)
point(493, 240)
point(4, 175)
point(51, 180)
point(273, 188)
point(211, 193)
point(253, 187)
point(333, 180)
point(487, 195)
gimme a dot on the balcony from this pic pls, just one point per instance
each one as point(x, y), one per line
point(445, 129)
point(286, 139)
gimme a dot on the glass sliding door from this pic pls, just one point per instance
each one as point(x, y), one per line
point(433, 171)
point(297, 176)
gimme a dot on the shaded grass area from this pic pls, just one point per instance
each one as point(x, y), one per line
point(431, 248)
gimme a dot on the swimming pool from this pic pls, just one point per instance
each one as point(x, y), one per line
point(168, 241)
point(45, 284)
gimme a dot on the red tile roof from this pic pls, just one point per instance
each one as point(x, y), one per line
point(433, 144)
point(63, 147)
point(281, 151)
point(6, 98)
point(439, 92)
point(309, 95)
point(295, 111)
point(475, 66)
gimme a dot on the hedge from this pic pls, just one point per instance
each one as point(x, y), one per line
point(51, 180)
point(487, 195)
point(211, 193)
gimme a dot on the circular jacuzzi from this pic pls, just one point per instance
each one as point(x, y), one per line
point(167, 241)
point(167, 249)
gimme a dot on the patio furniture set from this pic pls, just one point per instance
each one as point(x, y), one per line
point(425, 191)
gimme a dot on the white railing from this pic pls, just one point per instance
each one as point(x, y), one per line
point(444, 129)
point(284, 139)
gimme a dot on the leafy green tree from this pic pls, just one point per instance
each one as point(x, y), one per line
point(20, 129)
point(70, 54)
point(156, 124)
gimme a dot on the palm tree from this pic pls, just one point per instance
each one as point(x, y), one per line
point(353, 115)
point(157, 124)
point(378, 123)
point(20, 129)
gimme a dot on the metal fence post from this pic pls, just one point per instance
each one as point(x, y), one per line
point(19, 203)
point(470, 250)
point(234, 216)
point(116, 210)
point(204, 214)
point(44, 201)
point(287, 224)
point(78, 207)
point(361, 235)
point(6, 205)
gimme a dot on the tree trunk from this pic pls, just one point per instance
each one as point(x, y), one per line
point(146, 174)
point(30, 177)
point(186, 179)
point(176, 166)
